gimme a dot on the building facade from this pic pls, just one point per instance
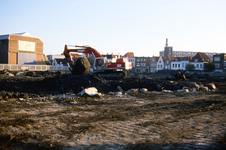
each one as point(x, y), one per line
point(219, 61)
point(21, 48)
point(142, 64)
point(160, 63)
point(153, 64)
point(199, 60)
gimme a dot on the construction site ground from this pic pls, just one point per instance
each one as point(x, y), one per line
point(42, 110)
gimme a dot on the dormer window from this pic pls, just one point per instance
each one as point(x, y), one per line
point(196, 60)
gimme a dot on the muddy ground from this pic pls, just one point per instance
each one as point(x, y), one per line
point(41, 110)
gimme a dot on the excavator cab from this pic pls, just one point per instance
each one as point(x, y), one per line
point(100, 63)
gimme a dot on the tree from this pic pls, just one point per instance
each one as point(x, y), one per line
point(209, 67)
point(190, 67)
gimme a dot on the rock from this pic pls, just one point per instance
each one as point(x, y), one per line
point(120, 89)
point(158, 86)
point(118, 94)
point(143, 90)
point(8, 74)
point(167, 91)
point(184, 89)
point(81, 66)
point(91, 91)
point(21, 74)
point(30, 73)
point(194, 85)
point(211, 86)
point(204, 89)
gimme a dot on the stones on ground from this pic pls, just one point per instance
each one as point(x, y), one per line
point(194, 85)
point(143, 90)
point(31, 73)
point(119, 88)
point(204, 89)
point(211, 86)
point(8, 74)
point(91, 91)
point(22, 74)
point(184, 89)
point(119, 94)
point(167, 91)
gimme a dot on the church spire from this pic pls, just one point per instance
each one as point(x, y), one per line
point(166, 42)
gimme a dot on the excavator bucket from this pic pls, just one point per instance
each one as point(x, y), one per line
point(81, 66)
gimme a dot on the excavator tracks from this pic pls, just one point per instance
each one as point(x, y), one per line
point(112, 75)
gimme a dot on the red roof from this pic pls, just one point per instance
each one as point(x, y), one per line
point(171, 58)
point(156, 59)
point(201, 57)
point(129, 55)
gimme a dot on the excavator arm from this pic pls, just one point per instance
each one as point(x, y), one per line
point(80, 49)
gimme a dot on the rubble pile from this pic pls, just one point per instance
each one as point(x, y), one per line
point(15, 84)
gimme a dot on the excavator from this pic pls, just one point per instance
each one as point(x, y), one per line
point(111, 69)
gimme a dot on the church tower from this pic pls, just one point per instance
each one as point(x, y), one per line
point(168, 49)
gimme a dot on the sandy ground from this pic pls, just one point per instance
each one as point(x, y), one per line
point(157, 121)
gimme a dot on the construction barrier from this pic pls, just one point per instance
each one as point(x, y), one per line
point(32, 67)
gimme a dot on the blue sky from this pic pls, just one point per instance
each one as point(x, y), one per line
point(119, 26)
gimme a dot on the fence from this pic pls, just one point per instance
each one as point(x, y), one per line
point(32, 67)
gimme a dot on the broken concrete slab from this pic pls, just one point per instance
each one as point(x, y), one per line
point(91, 91)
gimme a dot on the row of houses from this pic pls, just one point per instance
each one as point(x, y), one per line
point(154, 64)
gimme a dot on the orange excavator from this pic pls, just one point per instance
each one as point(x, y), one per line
point(115, 68)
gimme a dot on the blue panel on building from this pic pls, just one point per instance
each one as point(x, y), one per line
point(26, 59)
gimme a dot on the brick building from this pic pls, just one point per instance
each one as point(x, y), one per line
point(21, 48)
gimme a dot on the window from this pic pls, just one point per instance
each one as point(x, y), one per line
point(158, 66)
point(217, 65)
point(161, 66)
point(217, 58)
point(178, 65)
point(143, 64)
point(175, 65)
point(138, 64)
point(143, 59)
point(160, 61)
point(182, 64)
point(138, 59)
point(200, 65)
point(197, 65)
point(167, 62)
point(196, 60)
